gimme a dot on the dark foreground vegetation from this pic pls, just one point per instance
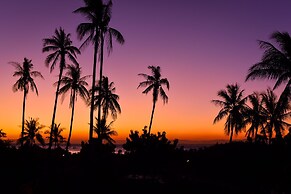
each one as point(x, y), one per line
point(237, 167)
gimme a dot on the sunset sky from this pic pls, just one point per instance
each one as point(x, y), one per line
point(201, 46)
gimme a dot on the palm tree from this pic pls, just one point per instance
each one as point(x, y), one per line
point(107, 98)
point(107, 33)
point(97, 30)
point(154, 83)
point(93, 13)
point(32, 133)
point(277, 111)
point(57, 137)
point(233, 108)
point(76, 84)
point(275, 62)
point(105, 131)
point(255, 116)
point(25, 82)
point(60, 46)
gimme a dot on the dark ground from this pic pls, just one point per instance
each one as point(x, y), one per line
point(237, 168)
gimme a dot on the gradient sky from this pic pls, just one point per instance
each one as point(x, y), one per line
point(201, 46)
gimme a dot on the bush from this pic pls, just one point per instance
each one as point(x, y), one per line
point(149, 143)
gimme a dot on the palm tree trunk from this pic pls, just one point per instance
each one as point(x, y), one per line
point(72, 119)
point(56, 102)
point(23, 116)
point(231, 134)
point(152, 116)
point(100, 76)
point(93, 91)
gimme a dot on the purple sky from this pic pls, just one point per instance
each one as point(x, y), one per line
point(200, 45)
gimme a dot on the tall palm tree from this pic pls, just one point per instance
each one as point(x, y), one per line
point(57, 137)
point(277, 111)
point(105, 131)
point(154, 83)
point(233, 108)
point(255, 116)
point(275, 62)
point(107, 33)
point(92, 11)
point(76, 84)
point(32, 133)
point(25, 82)
point(107, 98)
point(60, 47)
point(97, 30)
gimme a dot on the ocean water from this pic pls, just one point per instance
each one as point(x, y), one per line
point(187, 146)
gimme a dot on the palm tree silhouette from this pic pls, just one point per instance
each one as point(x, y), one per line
point(76, 84)
point(275, 62)
point(104, 131)
point(276, 111)
point(93, 12)
point(255, 116)
point(25, 82)
point(233, 107)
point(107, 98)
point(57, 137)
point(155, 83)
point(60, 46)
point(107, 33)
point(32, 133)
point(98, 14)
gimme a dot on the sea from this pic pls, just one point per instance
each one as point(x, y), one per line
point(186, 144)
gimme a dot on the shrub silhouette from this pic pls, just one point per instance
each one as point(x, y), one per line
point(149, 143)
point(4, 143)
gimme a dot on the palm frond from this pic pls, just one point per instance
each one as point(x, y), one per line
point(222, 113)
point(165, 81)
point(146, 77)
point(163, 95)
point(145, 84)
point(50, 43)
point(117, 35)
point(275, 63)
point(284, 41)
point(219, 102)
point(148, 89)
point(86, 29)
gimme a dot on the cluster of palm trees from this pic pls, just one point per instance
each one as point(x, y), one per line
point(263, 115)
point(101, 96)
point(61, 52)
point(97, 31)
point(32, 134)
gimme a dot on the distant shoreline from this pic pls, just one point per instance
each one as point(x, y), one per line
point(186, 144)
